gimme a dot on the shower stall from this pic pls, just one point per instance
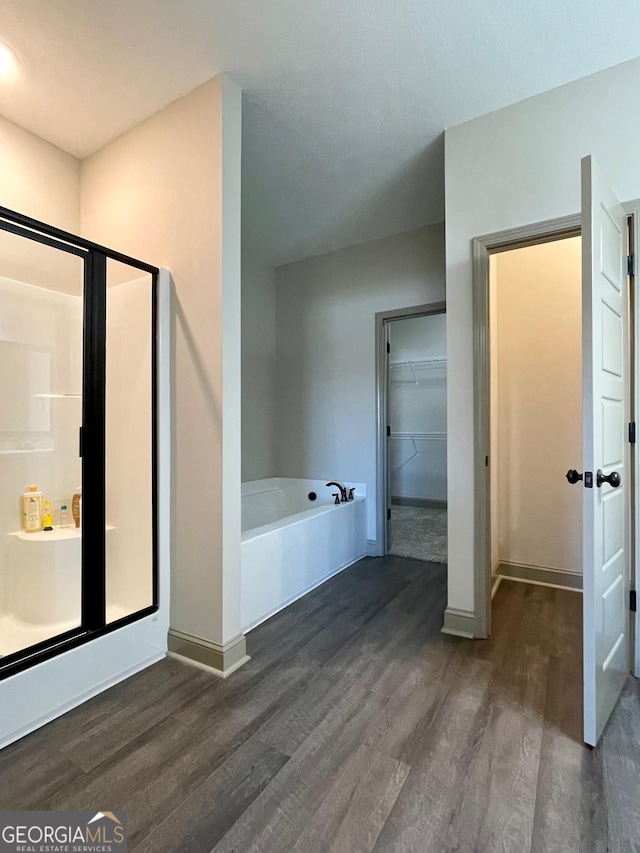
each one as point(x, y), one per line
point(78, 416)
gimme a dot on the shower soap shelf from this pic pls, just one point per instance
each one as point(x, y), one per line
point(55, 535)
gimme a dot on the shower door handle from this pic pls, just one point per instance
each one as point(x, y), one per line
point(80, 442)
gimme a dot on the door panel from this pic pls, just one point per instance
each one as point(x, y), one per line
point(605, 415)
point(41, 367)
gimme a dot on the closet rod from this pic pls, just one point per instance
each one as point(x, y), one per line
point(419, 435)
point(420, 362)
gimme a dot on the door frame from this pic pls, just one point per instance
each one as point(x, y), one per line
point(482, 248)
point(382, 321)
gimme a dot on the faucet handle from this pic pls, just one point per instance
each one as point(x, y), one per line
point(351, 491)
point(336, 496)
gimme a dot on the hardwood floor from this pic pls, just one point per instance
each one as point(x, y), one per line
point(356, 726)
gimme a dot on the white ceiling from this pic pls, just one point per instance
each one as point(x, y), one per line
point(344, 100)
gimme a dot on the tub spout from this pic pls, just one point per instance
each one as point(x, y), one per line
point(343, 491)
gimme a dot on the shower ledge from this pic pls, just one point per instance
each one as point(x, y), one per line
point(55, 535)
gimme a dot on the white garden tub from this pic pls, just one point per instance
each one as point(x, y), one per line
point(291, 544)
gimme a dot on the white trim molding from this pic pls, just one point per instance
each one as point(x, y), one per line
point(541, 575)
point(221, 660)
point(460, 623)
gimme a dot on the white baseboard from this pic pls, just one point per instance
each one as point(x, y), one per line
point(460, 623)
point(495, 583)
point(542, 575)
point(219, 673)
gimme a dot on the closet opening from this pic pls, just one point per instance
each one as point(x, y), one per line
point(412, 433)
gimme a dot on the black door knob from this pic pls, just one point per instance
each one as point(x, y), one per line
point(613, 479)
point(573, 477)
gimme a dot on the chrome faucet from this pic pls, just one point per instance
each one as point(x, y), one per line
point(343, 491)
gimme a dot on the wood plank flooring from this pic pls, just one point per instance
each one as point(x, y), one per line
point(356, 726)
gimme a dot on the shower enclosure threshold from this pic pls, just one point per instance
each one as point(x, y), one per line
point(16, 634)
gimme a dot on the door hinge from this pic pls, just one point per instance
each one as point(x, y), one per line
point(632, 432)
point(633, 601)
point(388, 431)
point(486, 461)
point(389, 514)
point(388, 347)
point(631, 264)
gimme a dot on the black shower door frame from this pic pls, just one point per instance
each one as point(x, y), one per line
point(92, 439)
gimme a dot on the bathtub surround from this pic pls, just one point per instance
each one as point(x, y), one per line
point(169, 191)
point(325, 350)
point(294, 538)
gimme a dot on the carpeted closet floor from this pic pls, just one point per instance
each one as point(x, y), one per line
point(419, 533)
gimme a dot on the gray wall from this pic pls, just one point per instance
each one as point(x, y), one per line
point(258, 369)
point(325, 350)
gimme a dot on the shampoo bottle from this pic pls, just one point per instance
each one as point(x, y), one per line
point(32, 510)
point(76, 503)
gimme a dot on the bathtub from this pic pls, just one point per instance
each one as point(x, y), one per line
point(291, 544)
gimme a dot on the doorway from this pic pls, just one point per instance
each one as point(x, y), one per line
point(608, 232)
point(535, 356)
point(412, 454)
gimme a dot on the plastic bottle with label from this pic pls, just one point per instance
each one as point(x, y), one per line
point(76, 506)
point(32, 510)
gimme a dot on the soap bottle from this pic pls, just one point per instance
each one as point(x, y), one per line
point(32, 510)
point(76, 503)
point(66, 519)
point(47, 523)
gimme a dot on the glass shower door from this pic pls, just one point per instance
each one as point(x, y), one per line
point(41, 383)
point(129, 440)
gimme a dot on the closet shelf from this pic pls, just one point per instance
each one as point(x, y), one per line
point(407, 372)
point(429, 363)
point(419, 435)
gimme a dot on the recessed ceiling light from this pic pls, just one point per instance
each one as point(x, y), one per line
point(8, 62)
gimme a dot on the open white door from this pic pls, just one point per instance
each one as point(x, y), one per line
point(606, 449)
